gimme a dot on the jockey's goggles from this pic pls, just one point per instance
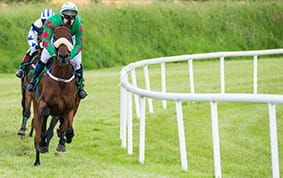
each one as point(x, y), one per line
point(69, 17)
point(69, 14)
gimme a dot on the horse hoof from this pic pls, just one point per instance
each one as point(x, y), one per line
point(22, 132)
point(36, 163)
point(61, 148)
point(69, 140)
point(42, 148)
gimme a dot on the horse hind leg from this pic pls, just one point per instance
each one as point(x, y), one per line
point(32, 127)
point(37, 158)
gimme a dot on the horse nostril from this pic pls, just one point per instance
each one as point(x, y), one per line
point(63, 56)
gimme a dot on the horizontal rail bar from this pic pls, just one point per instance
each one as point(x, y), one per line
point(198, 56)
point(204, 97)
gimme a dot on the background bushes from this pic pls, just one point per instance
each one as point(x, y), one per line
point(118, 35)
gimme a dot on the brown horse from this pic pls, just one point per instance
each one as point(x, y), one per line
point(28, 95)
point(58, 95)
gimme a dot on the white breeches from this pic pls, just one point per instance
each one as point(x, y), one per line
point(76, 61)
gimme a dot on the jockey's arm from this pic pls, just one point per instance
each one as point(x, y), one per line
point(79, 42)
point(32, 38)
point(46, 39)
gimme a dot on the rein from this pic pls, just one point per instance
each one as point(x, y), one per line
point(59, 79)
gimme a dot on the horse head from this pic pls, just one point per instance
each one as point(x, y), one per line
point(63, 44)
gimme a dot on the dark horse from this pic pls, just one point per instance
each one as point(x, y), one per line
point(58, 97)
point(27, 95)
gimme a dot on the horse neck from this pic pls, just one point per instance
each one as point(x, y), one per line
point(64, 72)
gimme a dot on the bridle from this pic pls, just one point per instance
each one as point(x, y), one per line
point(63, 59)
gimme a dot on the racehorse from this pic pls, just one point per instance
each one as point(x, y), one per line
point(27, 95)
point(58, 97)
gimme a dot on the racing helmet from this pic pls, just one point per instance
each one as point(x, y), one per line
point(69, 10)
point(46, 13)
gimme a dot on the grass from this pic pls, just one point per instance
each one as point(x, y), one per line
point(96, 148)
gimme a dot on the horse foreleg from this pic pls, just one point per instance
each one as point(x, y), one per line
point(61, 145)
point(70, 131)
point(61, 134)
point(43, 145)
point(44, 113)
point(50, 129)
point(26, 103)
point(37, 127)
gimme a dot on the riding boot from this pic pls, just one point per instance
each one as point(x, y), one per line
point(38, 69)
point(79, 81)
point(22, 68)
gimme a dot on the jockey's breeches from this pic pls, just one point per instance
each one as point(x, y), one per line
point(76, 61)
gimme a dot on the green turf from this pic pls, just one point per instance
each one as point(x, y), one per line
point(96, 148)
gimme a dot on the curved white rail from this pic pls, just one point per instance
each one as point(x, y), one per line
point(127, 89)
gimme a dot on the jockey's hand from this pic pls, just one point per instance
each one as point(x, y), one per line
point(37, 48)
point(41, 45)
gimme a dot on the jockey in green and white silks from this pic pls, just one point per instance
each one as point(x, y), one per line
point(68, 12)
point(33, 40)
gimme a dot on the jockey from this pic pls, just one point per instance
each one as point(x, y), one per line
point(68, 14)
point(33, 40)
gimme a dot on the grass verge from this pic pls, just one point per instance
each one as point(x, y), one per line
point(96, 149)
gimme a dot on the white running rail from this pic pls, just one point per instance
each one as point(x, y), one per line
point(128, 89)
